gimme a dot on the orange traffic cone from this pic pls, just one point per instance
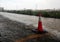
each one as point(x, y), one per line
point(39, 30)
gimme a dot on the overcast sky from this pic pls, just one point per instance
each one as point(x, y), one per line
point(30, 4)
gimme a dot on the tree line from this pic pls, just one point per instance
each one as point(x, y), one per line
point(51, 14)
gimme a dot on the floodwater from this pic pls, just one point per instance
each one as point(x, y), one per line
point(10, 30)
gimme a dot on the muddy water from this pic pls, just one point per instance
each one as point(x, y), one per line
point(51, 23)
point(12, 30)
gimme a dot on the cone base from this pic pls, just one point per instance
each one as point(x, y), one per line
point(39, 32)
point(0, 35)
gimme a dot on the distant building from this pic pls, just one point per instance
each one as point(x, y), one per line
point(1, 9)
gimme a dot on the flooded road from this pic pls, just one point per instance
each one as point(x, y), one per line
point(11, 30)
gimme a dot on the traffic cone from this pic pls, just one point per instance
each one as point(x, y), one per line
point(40, 27)
point(39, 30)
